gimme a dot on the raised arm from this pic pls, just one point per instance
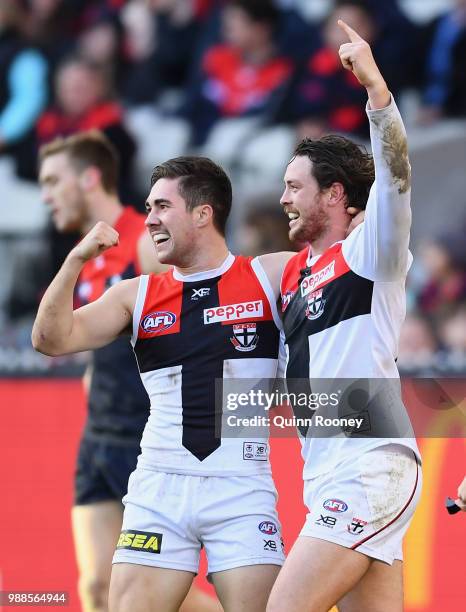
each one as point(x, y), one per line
point(58, 329)
point(378, 249)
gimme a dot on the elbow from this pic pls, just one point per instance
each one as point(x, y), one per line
point(41, 344)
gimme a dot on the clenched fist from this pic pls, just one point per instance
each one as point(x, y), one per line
point(356, 56)
point(101, 237)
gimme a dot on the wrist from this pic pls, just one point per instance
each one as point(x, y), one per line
point(75, 258)
point(379, 95)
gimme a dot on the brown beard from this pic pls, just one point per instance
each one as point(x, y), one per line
point(313, 226)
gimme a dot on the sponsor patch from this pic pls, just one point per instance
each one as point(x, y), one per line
point(268, 527)
point(310, 283)
point(255, 451)
point(315, 305)
point(245, 337)
point(270, 545)
point(200, 293)
point(234, 312)
point(156, 322)
point(327, 521)
point(335, 505)
point(140, 540)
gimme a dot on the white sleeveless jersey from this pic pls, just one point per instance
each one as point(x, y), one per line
point(188, 332)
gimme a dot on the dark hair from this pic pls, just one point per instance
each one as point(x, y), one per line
point(336, 159)
point(202, 182)
point(259, 10)
point(87, 149)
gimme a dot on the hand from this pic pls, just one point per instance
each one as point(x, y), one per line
point(358, 218)
point(356, 56)
point(101, 237)
point(461, 501)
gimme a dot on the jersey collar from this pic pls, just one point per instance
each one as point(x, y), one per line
point(198, 276)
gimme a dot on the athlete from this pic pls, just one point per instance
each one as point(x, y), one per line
point(343, 302)
point(461, 500)
point(213, 316)
point(79, 179)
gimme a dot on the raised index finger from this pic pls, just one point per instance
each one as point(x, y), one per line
point(352, 34)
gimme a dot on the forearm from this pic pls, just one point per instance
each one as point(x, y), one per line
point(54, 320)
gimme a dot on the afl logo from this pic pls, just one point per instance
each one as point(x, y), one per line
point(268, 527)
point(157, 322)
point(335, 505)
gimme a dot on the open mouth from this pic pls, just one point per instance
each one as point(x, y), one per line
point(160, 238)
point(293, 217)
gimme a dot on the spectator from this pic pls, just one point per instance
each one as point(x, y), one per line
point(160, 41)
point(445, 72)
point(83, 101)
point(418, 343)
point(50, 25)
point(326, 97)
point(264, 230)
point(23, 87)
point(242, 76)
point(444, 262)
point(452, 330)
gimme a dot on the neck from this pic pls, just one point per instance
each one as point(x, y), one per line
point(209, 256)
point(325, 241)
point(102, 207)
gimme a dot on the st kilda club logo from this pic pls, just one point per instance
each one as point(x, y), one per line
point(245, 337)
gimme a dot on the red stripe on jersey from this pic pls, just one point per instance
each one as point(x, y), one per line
point(239, 286)
point(162, 306)
point(330, 266)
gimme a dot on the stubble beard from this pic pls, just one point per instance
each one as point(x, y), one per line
point(313, 226)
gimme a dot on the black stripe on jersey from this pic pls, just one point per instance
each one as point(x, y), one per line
point(201, 351)
point(346, 297)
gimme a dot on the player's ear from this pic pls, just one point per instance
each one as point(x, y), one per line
point(336, 195)
point(90, 178)
point(203, 214)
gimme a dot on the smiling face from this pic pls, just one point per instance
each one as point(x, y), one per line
point(304, 202)
point(171, 224)
point(62, 192)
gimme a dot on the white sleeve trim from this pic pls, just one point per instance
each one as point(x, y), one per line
point(267, 287)
point(139, 305)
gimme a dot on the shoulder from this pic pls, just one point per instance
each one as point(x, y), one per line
point(124, 293)
point(274, 265)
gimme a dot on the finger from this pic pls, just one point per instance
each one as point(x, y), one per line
point(352, 34)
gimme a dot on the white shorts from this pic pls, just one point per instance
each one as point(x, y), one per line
point(366, 504)
point(169, 517)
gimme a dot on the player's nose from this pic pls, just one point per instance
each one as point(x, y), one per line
point(152, 218)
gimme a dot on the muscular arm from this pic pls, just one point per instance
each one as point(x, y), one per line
point(58, 329)
point(378, 249)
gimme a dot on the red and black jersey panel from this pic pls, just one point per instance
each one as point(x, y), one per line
point(316, 298)
point(199, 326)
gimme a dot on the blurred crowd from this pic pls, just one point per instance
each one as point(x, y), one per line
point(238, 80)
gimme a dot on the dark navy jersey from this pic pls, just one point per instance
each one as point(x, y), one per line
point(118, 405)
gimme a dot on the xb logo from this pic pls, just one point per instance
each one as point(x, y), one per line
point(200, 293)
